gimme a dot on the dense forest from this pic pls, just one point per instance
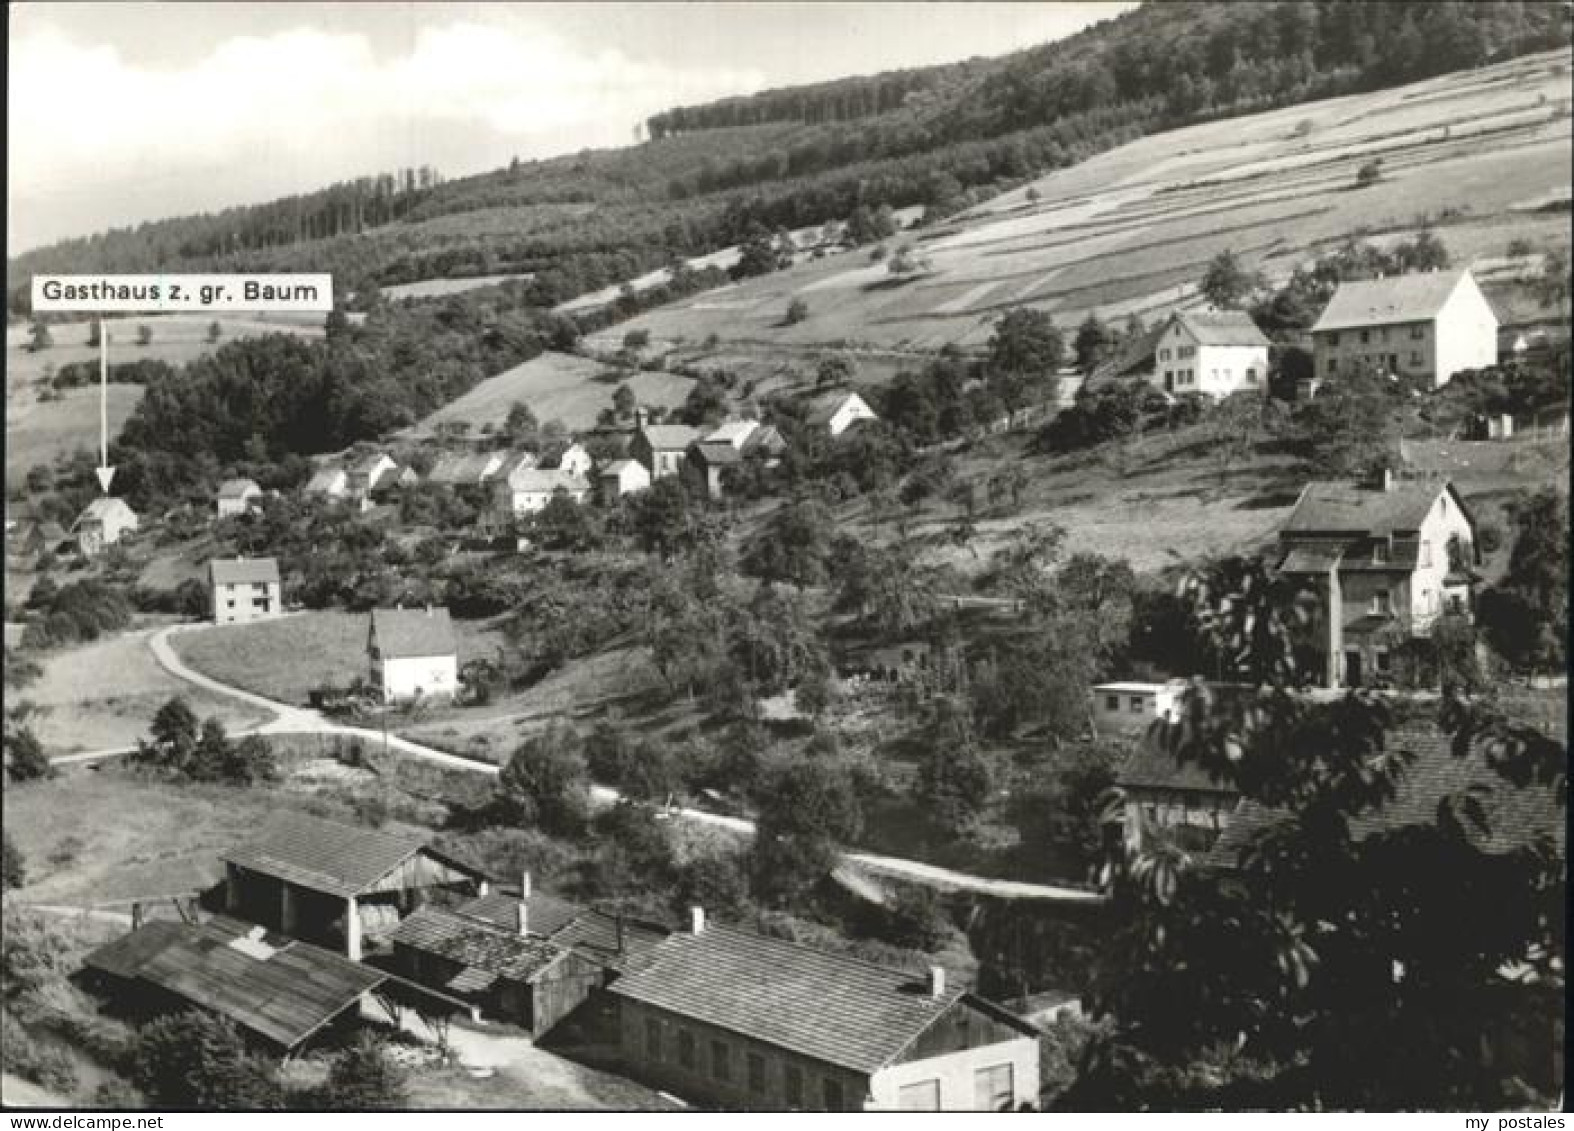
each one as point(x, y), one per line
point(938, 137)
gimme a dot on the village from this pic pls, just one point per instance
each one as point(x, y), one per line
point(1149, 694)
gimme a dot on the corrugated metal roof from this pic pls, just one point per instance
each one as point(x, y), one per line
point(325, 856)
point(402, 633)
point(834, 1009)
point(243, 571)
point(284, 994)
point(1380, 302)
point(476, 943)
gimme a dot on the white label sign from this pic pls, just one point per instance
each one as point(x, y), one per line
point(201, 293)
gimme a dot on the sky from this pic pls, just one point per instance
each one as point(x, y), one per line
point(124, 112)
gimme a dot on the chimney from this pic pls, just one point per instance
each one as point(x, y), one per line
point(521, 919)
point(696, 920)
point(937, 981)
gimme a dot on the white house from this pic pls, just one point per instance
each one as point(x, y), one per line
point(1129, 706)
point(103, 523)
point(1429, 326)
point(1214, 352)
point(1385, 563)
point(237, 496)
point(528, 490)
point(328, 483)
point(836, 411)
point(622, 477)
point(662, 448)
point(244, 589)
point(412, 654)
point(575, 460)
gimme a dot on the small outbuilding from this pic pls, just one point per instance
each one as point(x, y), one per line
point(102, 524)
point(237, 497)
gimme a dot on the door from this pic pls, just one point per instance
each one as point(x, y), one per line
point(1352, 668)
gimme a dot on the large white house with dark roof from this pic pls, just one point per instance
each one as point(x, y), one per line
point(412, 654)
point(734, 1019)
point(1428, 326)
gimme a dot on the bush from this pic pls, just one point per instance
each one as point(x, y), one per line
point(48, 1067)
point(1369, 173)
point(197, 1060)
point(13, 874)
point(797, 311)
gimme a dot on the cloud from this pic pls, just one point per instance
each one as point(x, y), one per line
point(315, 106)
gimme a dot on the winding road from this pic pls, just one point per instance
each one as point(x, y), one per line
point(288, 719)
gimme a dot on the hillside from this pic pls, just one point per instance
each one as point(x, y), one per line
point(939, 137)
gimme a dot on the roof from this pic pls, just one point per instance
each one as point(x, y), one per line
point(1222, 328)
point(717, 454)
point(403, 633)
point(835, 1009)
point(1514, 815)
point(1131, 354)
point(373, 463)
point(1312, 559)
point(546, 914)
point(547, 479)
point(278, 988)
point(324, 856)
point(826, 405)
point(619, 466)
point(669, 437)
point(1139, 687)
point(238, 488)
point(476, 943)
point(326, 479)
point(733, 432)
point(1378, 302)
point(1347, 509)
point(241, 571)
point(1151, 766)
point(764, 438)
point(103, 508)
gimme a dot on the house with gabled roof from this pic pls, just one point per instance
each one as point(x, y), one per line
point(662, 448)
point(837, 410)
point(102, 523)
point(621, 477)
point(1212, 352)
point(238, 496)
point(530, 489)
point(413, 654)
point(1159, 792)
point(1385, 561)
point(328, 483)
point(732, 1018)
point(1426, 326)
point(244, 589)
point(708, 459)
point(469, 469)
point(343, 886)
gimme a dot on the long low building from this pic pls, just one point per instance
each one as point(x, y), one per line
point(740, 1021)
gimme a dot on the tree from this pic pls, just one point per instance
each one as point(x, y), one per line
point(174, 736)
point(794, 545)
point(25, 759)
point(953, 781)
point(198, 1060)
point(1369, 173)
point(834, 372)
point(364, 1077)
point(624, 402)
point(1351, 426)
point(144, 334)
point(1526, 614)
point(1093, 343)
point(797, 311)
point(1235, 426)
point(545, 784)
point(39, 337)
point(1227, 284)
point(13, 865)
point(636, 340)
point(215, 332)
point(1027, 343)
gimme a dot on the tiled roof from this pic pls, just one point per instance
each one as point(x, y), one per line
point(402, 633)
point(325, 856)
point(717, 455)
point(764, 438)
point(282, 992)
point(1222, 328)
point(733, 432)
point(476, 943)
point(1342, 508)
point(834, 1009)
point(1379, 302)
point(545, 914)
point(237, 488)
point(1514, 815)
point(1133, 354)
point(826, 405)
point(547, 479)
point(1151, 766)
point(243, 571)
point(669, 437)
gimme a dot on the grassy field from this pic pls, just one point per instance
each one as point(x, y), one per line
point(1133, 228)
point(284, 659)
point(556, 386)
point(38, 432)
point(103, 695)
point(439, 288)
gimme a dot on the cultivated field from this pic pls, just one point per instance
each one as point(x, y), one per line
point(103, 695)
point(285, 659)
point(439, 288)
point(556, 386)
point(1133, 229)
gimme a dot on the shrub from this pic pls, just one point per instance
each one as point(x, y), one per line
point(1369, 173)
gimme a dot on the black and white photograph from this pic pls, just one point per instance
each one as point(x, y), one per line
point(787, 557)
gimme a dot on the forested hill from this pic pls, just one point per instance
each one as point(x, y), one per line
point(941, 137)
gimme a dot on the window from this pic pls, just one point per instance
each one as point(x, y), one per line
point(720, 1062)
point(1366, 336)
point(1418, 332)
point(1188, 351)
point(1333, 339)
point(1382, 603)
point(685, 1048)
point(922, 1096)
point(792, 1079)
point(831, 1094)
point(992, 1088)
point(1164, 355)
point(1136, 704)
point(1384, 661)
point(1382, 334)
point(756, 1064)
point(1416, 358)
point(1112, 702)
point(1380, 551)
point(1333, 366)
point(1251, 375)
